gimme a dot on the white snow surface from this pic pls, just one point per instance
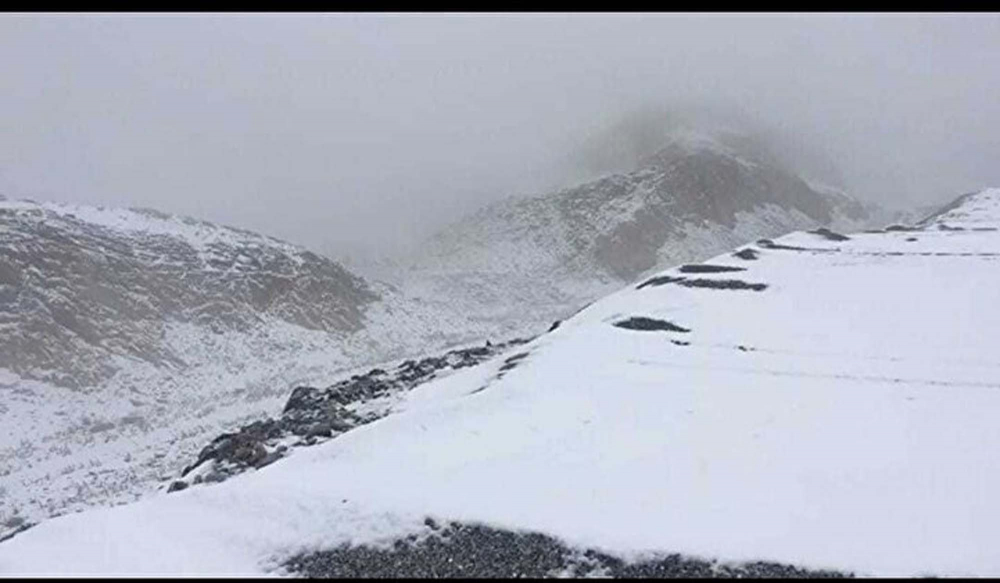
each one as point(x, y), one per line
point(844, 417)
point(64, 450)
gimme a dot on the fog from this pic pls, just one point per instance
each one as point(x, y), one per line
point(359, 134)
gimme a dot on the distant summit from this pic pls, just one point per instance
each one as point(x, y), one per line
point(699, 193)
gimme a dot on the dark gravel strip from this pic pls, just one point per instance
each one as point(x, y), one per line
point(479, 551)
point(707, 268)
point(769, 244)
point(649, 324)
point(701, 282)
point(830, 235)
point(730, 284)
point(658, 281)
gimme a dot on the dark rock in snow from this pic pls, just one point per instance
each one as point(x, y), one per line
point(747, 254)
point(508, 364)
point(728, 284)
point(769, 244)
point(830, 235)
point(658, 281)
point(314, 415)
point(731, 284)
point(706, 268)
point(649, 324)
point(23, 526)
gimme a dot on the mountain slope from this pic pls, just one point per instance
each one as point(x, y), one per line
point(128, 337)
point(545, 256)
point(818, 399)
point(83, 287)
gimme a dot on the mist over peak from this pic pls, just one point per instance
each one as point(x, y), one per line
point(630, 140)
point(362, 132)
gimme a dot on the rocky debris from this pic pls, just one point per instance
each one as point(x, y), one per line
point(706, 268)
point(554, 325)
point(891, 228)
point(944, 227)
point(313, 415)
point(769, 244)
point(18, 529)
point(658, 281)
point(649, 324)
point(480, 551)
point(747, 254)
point(510, 363)
point(730, 284)
point(830, 235)
point(177, 486)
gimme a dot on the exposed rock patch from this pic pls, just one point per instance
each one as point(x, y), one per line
point(747, 254)
point(830, 235)
point(728, 284)
point(649, 324)
point(479, 551)
point(313, 415)
point(731, 284)
point(769, 244)
point(706, 268)
point(658, 281)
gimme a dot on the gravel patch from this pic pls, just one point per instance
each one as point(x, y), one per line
point(747, 254)
point(479, 551)
point(658, 281)
point(706, 268)
point(649, 324)
point(830, 235)
point(700, 282)
point(730, 284)
point(769, 244)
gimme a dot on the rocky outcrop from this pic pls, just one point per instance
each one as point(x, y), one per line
point(314, 415)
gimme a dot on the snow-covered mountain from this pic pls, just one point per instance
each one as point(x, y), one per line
point(541, 258)
point(129, 337)
point(85, 288)
point(818, 399)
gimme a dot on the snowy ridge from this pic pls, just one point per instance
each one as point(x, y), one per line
point(816, 399)
point(201, 235)
point(697, 196)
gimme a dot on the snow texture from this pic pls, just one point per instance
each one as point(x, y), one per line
point(843, 417)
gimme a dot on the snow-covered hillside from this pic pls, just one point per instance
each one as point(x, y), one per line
point(815, 399)
point(129, 337)
point(540, 258)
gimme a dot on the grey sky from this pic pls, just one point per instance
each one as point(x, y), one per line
point(353, 132)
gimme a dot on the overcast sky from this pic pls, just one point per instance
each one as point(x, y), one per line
point(355, 132)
